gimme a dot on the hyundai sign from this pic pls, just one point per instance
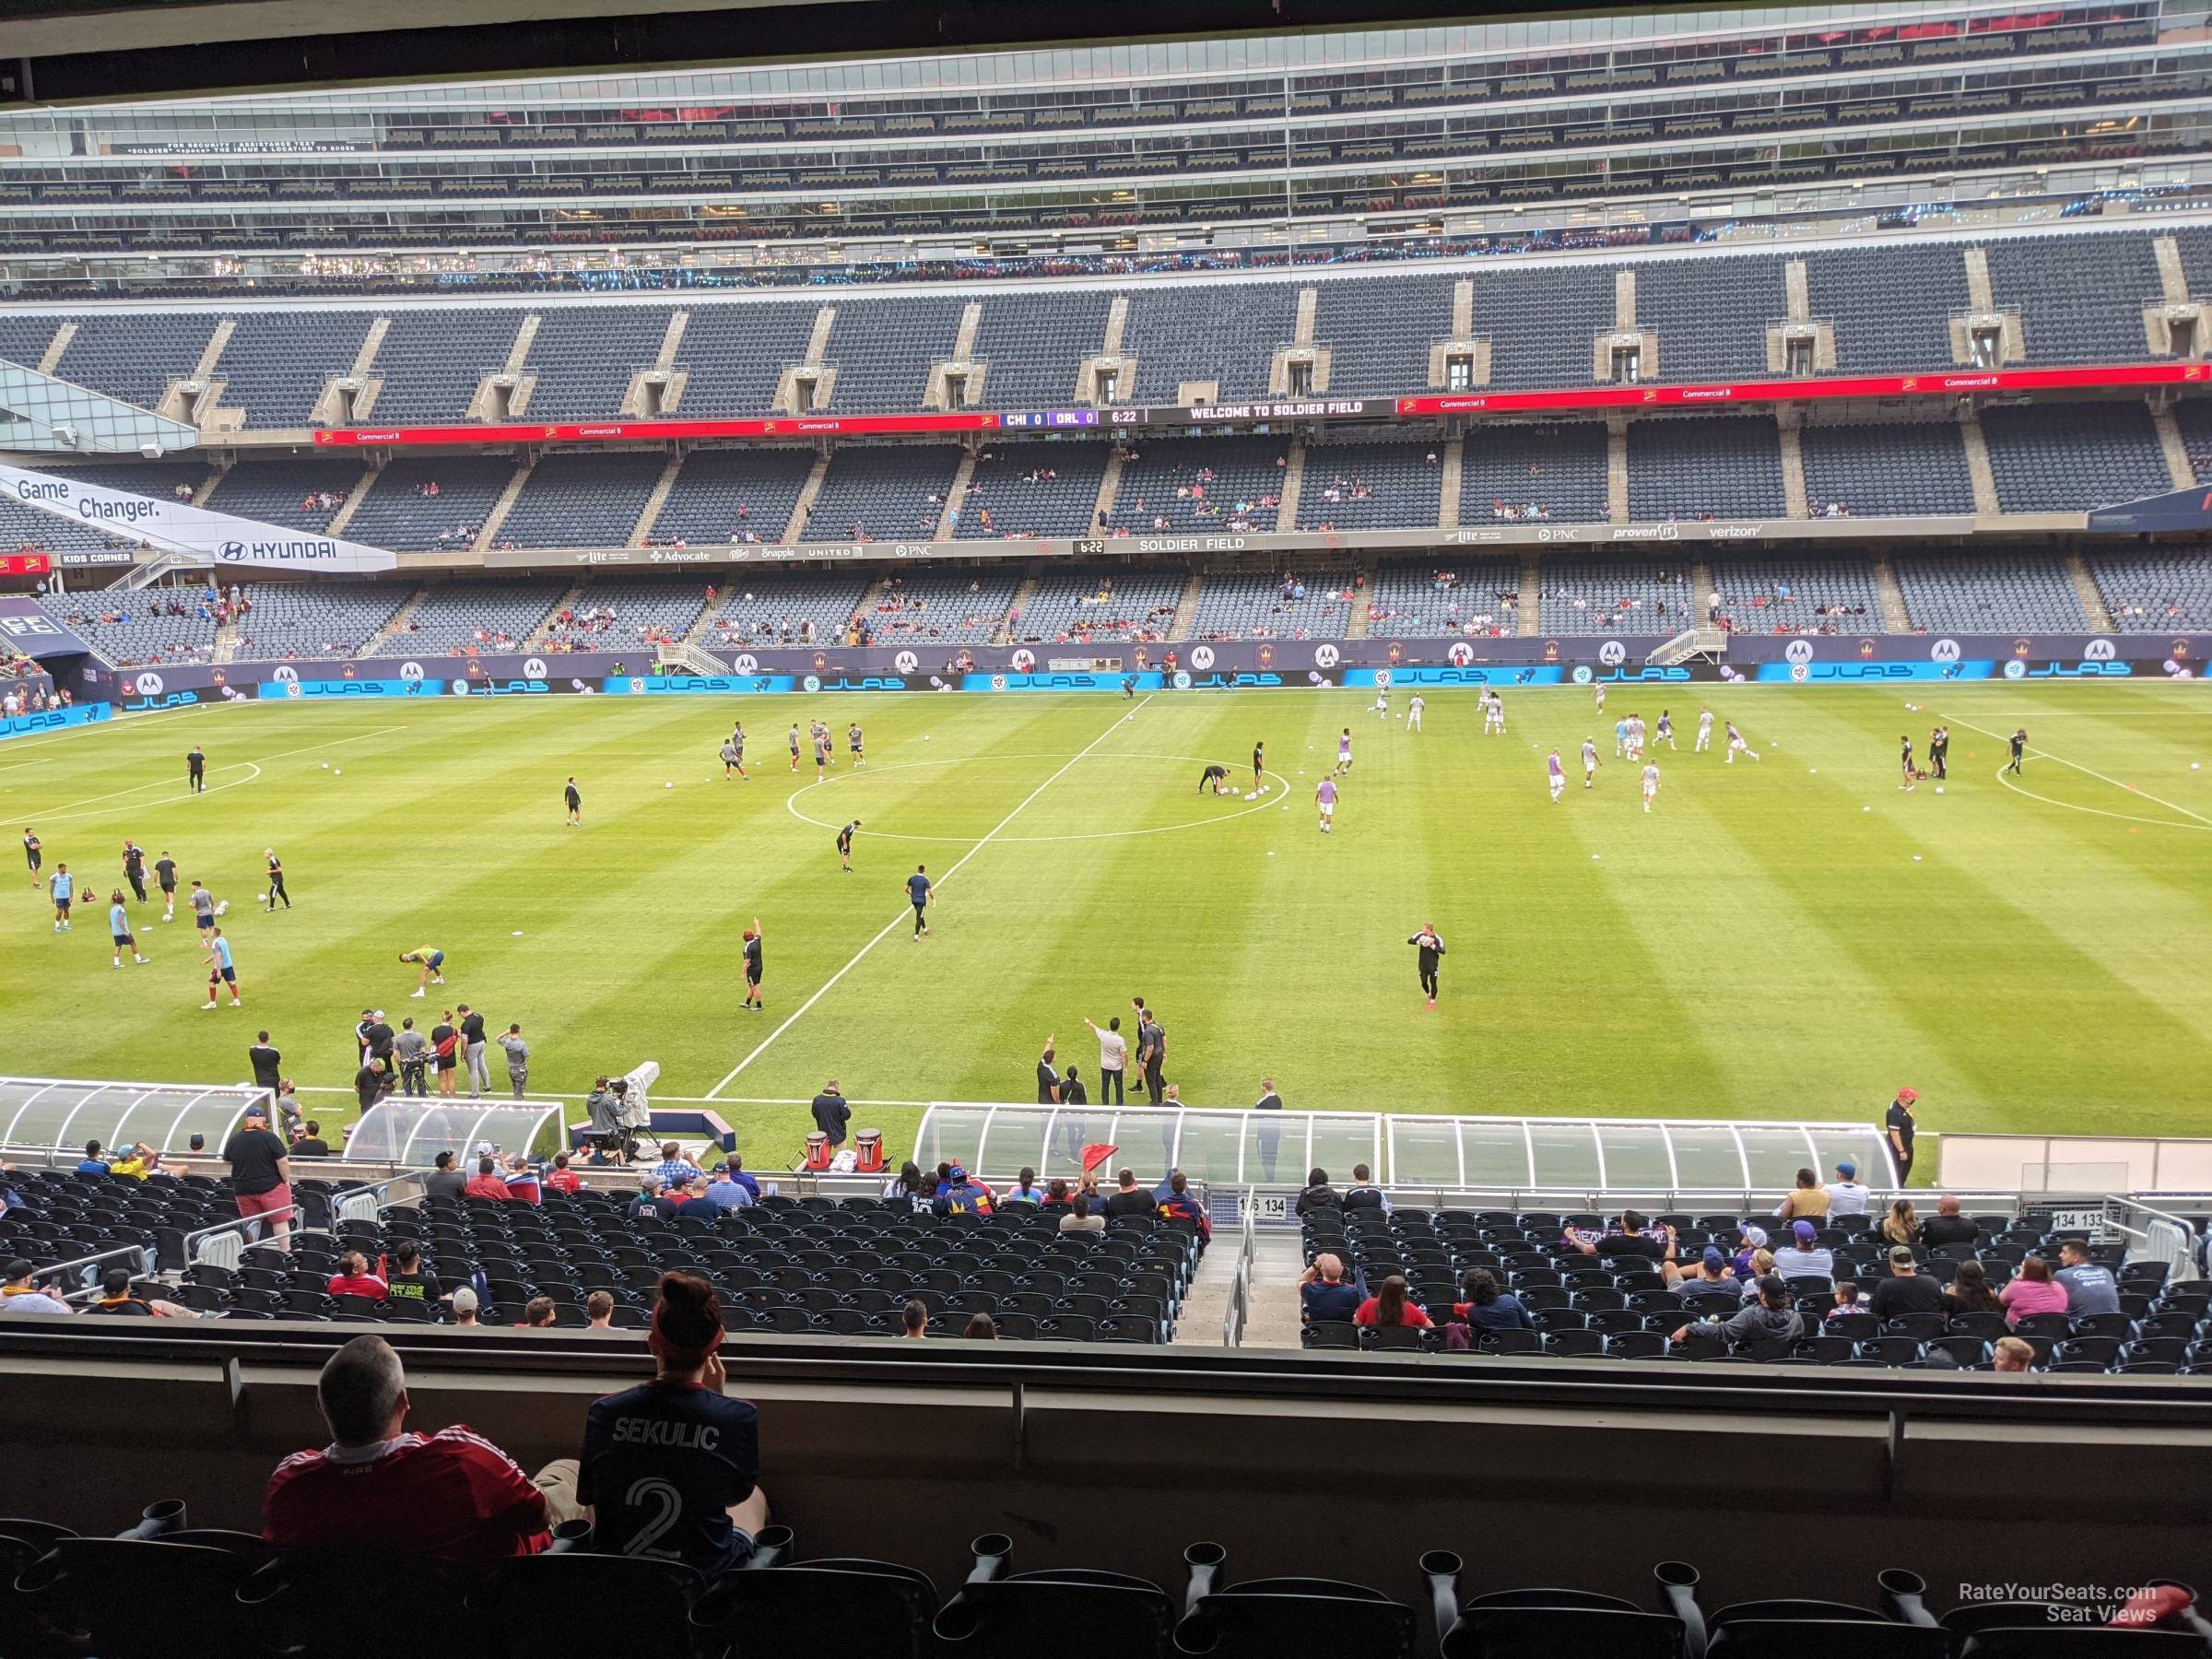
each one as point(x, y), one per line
point(177, 526)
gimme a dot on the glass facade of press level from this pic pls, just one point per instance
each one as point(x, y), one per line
point(44, 416)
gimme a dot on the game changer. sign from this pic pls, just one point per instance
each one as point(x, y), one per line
point(180, 527)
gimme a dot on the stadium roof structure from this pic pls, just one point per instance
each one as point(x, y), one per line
point(400, 1130)
point(1500, 1154)
point(60, 1114)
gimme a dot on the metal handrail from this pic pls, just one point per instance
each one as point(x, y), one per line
point(1239, 1310)
point(90, 1281)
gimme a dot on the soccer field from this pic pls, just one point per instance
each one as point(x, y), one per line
point(1791, 938)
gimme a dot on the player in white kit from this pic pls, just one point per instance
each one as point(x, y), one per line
point(1589, 760)
point(1704, 731)
point(1413, 713)
point(1635, 738)
point(1666, 730)
point(1651, 782)
point(1735, 742)
point(1559, 776)
point(1382, 705)
point(1601, 697)
point(1493, 714)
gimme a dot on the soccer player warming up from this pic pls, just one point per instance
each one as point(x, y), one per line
point(845, 845)
point(2019, 748)
point(918, 887)
point(1493, 714)
point(1324, 798)
point(433, 967)
point(1589, 761)
point(119, 926)
point(752, 969)
point(1736, 744)
point(1344, 752)
point(221, 970)
point(1413, 713)
point(1907, 741)
point(1666, 730)
point(1214, 777)
point(573, 800)
point(1259, 765)
point(733, 761)
point(1432, 946)
point(1558, 774)
point(1704, 740)
point(1651, 782)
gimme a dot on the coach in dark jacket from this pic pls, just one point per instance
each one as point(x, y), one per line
point(831, 1114)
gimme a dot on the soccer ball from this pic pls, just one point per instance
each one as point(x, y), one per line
point(670, 785)
point(223, 906)
point(1251, 795)
point(926, 734)
point(337, 772)
point(326, 766)
point(260, 898)
point(1938, 789)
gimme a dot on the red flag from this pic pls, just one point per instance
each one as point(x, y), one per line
point(1095, 1157)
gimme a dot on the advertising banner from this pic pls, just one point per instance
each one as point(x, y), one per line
point(183, 528)
point(25, 626)
point(56, 720)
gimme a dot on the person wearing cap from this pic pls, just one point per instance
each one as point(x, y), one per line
point(1807, 1199)
point(672, 1466)
point(728, 1191)
point(1946, 1226)
point(464, 1305)
point(377, 1487)
point(690, 1199)
point(1898, 1125)
point(19, 1296)
point(1707, 1275)
point(963, 1196)
point(1906, 1290)
point(117, 1297)
point(1767, 1317)
point(650, 1204)
point(1755, 1239)
point(261, 1175)
point(1804, 1257)
point(1846, 1196)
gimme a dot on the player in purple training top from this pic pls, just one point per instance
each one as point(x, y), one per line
point(1326, 798)
point(1559, 776)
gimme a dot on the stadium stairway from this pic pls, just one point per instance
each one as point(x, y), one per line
point(955, 494)
point(1531, 608)
point(1187, 608)
point(343, 516)
point(796, 528)
point(2085, 587)
point(1455, 464)
point(1294, 482)
point(567, 602)
point(226, 641)
point(488, 535)
point(398, 623)
point(1271, 1321)
point(1024, 596)
point(642, 530)
point(1109, 486)
point(1895, 619)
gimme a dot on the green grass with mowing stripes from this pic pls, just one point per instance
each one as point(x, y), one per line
point(1791, 937)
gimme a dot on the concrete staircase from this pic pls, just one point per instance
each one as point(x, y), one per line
point(1355, 623)
point(490, 533)
point(343, 516)
point(1187, 608)
point(398, 624)
point(568, 601)
point(694, 635)
point(1294, 483)
point(1532, 596)
point(655, 501)
point(1110, 488)
point(51, 359)
point(2179, 467)
point(226, 641)
point(2084, 588)
point(804, 506)
point(1453, 461)
point(1271, 1317)
point(1896, 620)
point(1978, 468)
point(1025, 591)
point(948, 521)
point(1617, 475)
point(1700, 587)
point(206, 489)
point(1798, 504)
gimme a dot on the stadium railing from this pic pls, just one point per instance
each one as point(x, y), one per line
point(1240, 1290)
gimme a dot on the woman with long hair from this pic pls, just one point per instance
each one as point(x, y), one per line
point(1488, 1307)
point(1388, 1307)
point(1970, 1292)
point(1901, 1226)
point(671, 1467)
point(2034, 1291)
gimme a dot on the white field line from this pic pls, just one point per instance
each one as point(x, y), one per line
point(2043, 753)
point(71, 808)
point(900, 921)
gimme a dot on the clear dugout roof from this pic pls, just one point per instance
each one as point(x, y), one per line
point(59, 1115)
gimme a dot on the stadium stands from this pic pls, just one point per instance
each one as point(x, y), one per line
point(152, 626)
point(1019, 489)
point(424, 506)
point(2155, 593)
point(1370, 486)
point(883, 494)
point(937, 605)
point(1608, 597)
point(1288, 605)
point(2080, 299)
point(298, 494)
point(1223, 334)
point(1413, 600)
point(617, 614)
point(583, 358)
point(1900, 469)
point(1086, 606)
point(433, 360)
point(1032, 344)
point(276, 363)
point(586, 500)
point(883, 352)
point(1201, 485)
point(1558, 468)
point(474, 617)
point(1809, 594)
point(1603, 1306)
point(1726, 466)
point(1990, 594)
point(784, 607)
point(314, 619)
point(2062, 457)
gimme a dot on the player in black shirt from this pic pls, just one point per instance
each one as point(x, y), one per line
point(165, 871)
point(1939, 752)
point(574, 802)
point(852, 742)
point(752, 968)
point(845, 845)
point(1215, 778)
point(133, 869)
point(1259, 762)
point(196, 770)
point(1899, 1126)
point(277, 879)
point(1907, 741)
point(34, 854)
point(2019, 748)
point(1433, 948)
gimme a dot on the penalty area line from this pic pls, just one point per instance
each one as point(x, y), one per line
point(899, 921)
point(2044, 753)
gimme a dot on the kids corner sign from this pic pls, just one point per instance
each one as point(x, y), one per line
point(180, 527)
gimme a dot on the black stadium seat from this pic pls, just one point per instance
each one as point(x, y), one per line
point(1265, 1619)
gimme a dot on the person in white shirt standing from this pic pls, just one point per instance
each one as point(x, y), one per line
point(1589, 761)
point(1846, 1196)
point(1493, 714)
point(1558, 774)
point(1413, 713)
point(1651, 782)
point(1114, 1060)
point(1704, 731)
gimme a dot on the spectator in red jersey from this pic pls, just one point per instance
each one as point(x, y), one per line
point(562, 1179)
point(449, 1495)
point(354, 1277)
point(486, 1183)
point(522, 1180)
point(1179, 1202)
point(1388, 1306)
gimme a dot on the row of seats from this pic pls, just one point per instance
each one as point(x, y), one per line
point(129, 1597)
point(2078, 297)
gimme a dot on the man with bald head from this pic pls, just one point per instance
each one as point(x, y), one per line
point(1324, 1296)
point(1946, 1226)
